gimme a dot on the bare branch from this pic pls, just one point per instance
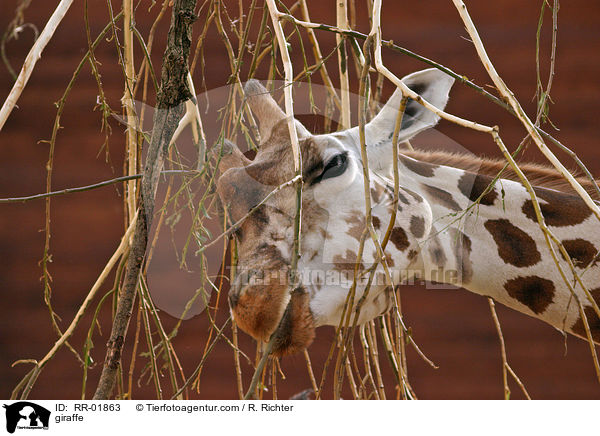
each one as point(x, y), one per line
point(85, 188)
point(34, 55)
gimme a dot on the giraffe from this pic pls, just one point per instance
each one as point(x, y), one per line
point(493, 247)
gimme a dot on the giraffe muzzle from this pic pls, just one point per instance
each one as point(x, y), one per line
point(260, 303)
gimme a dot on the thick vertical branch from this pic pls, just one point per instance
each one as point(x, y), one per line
point(174, 91)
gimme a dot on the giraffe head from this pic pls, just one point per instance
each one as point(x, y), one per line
point(333, 216)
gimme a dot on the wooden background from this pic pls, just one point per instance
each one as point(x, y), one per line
point(453, 327)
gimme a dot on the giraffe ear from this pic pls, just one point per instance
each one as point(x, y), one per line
point(434, 86)
point(231, 156)
point(266, 110)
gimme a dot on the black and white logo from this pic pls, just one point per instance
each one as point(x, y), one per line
point(25, 415)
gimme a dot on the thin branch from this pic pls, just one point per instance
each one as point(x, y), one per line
point(34, 55)
point(86, 188)
point(502, 348)
point(505, 366)
point(544, 95)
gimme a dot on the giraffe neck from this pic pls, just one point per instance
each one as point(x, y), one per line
point(497, 249)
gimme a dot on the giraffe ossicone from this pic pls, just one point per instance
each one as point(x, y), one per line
point(494, 248)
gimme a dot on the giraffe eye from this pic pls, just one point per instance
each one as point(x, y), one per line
point(335, 167)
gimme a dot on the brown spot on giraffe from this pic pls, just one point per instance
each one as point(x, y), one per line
point(515, 247)
point(356, 224)
point(560, 209)
point(473, 186)
point(313, 217)
point(346, 262)
point(377, 190)
point(417, 226)
point(297, 329)
point(418, 167)
point(376, 222)
point(592, 318)
point(581, 252)
point(412, 254)
point(390, 260)
point(401, 197)
point(399, 238)
point(534, 292)
point(441, 197)
point(462, 251)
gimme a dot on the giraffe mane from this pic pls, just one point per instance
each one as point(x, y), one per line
point(538, 174)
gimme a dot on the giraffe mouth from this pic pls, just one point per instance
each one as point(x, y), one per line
point(262, 311)
point(296, 330)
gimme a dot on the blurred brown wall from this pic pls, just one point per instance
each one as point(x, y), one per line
point(454, 328)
